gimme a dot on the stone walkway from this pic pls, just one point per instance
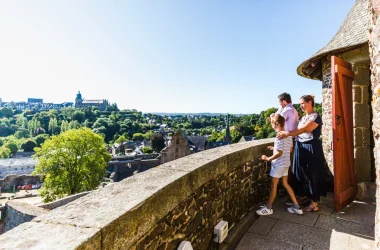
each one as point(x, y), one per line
point(351, 228)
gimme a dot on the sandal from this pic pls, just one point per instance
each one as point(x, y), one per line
point(310, 208)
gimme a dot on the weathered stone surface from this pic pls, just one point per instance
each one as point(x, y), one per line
point(32, 235)
point(354, 212)
point(63, 201)
point(253, 241)
point(327, 113)
point(286, 231)
point(331, 223)
point(18, 213)
point(137, 204)
point(357, 94)
point(263, 225)
point(361, 115)
point(280, 212)
point(362, 163)
point(358, 137)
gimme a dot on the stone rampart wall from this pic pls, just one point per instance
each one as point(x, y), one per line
point(18, 213)
point(157, 209)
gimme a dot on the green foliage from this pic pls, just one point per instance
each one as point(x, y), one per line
point(216, 137)
point(22, 133)
point(5, 152)
point(138, 137)
point(12, 146)
point(78, 116)
point(71, 162)
point(53, 126)
point(41, 139)
point(147, 150)
point(6, 112)
point(235, 136)
point(65, 126)
point(121, 139)
point(157, 142)
point(28, 145)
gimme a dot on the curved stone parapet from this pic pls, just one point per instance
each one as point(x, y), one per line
point(157, 209)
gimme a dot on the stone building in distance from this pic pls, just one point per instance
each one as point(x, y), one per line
point(82, 103)
point(178, 147)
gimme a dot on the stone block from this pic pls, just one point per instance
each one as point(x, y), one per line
point(362, 75)
point(359, 212)
point(329, 223)
point(357, 94)
point(358, 138)
point(263, 225)
point(362, 163)
point(361, 115)
point(253, 241)
point(365, 94)
point(366, 137)
point(301, 234)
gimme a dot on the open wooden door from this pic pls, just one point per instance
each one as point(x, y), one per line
point(345, 187)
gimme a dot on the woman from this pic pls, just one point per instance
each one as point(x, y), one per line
point(308, 160)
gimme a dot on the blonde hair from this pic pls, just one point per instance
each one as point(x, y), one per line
point(278, 119)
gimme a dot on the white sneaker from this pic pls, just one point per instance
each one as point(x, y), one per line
point(265, 211)
point(295, 210)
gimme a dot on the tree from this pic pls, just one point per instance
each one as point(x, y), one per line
point(22, 133)
point(65, 126)
point(28, 145)
point(78, 116)
point(235, 136)
point(12, 147)
point(41, 139)
point(147, 150)
point(72, 162)
point(74, 125)
point(138, 137)
point(158, 142)
point(6, 112)
point(121, 139)
point(53, 126)
point(5, 152)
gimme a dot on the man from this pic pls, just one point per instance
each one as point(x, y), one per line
point(287, 111)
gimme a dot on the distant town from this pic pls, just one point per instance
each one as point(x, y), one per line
point(37, 104)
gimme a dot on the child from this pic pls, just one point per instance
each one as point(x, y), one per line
point(280, 166)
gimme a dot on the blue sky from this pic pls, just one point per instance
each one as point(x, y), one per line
point(164, 56)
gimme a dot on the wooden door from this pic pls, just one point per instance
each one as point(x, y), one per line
point(345, 187)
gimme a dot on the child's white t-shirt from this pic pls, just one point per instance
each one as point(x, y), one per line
point(285, 146)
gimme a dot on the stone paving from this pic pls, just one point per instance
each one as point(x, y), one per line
point(351, 228)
